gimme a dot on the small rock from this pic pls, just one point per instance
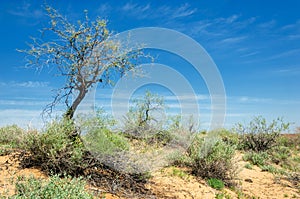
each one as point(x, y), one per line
point(249, 180)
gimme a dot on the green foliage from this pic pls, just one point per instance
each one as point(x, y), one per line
point(272, 169)
point(146, 121)
point(98, 136)
point(255, 158)
point(55, 187)
point(227, 136)
point(180, 159)
point(105, 142)
point(215, 183)
point(291, 141)
point(11, 135)
point(248, 166)
point(141, 122)
point(212, 158)
point(280, 153)
point(260, 136)
point(179, 173)
point(55, 149)
point(82, 53)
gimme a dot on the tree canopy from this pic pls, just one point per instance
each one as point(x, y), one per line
point(83, 53)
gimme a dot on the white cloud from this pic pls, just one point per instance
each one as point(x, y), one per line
point(184, 11)
point(250, 54)
point(231, 40)
point(143, 11)
point(27, 84)
point(31, 102)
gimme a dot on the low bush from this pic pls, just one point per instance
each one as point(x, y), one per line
point(213, 158)
point(55, 187)
point(104, 142)
point(55, 150)
point(260, 136)
point(11, 135)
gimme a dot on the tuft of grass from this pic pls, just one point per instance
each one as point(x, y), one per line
point(216, 183)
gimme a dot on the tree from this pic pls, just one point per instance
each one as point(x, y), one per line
point(146, 116)
point(83, 54)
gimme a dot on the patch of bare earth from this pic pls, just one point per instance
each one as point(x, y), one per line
point(10, 170)
point(260, 184)
point(164, 185)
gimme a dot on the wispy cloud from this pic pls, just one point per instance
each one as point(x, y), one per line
point(136, 9)
point(25, 10)
point(184, 11)
point(284, 54)
point(250, 54)
point(28, 84)
point(267, 25)
point(143, 11)
point(287, 70)
point(31, 102)
point(104, 9)
point(231, 40)
point(246, 99)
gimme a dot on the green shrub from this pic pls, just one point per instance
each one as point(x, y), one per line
point(255, 158)
point(11, 135)
point(228, 137)
point(212, 158)
point(260, 136)
point(55, 187)
point(280, 154)
point(105, 142)
point(292, 142)
point(55, 149)
point(215, 183)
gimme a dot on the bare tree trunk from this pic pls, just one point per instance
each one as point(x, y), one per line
point(71, 110)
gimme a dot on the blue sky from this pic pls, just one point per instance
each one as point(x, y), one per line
point(255, 45)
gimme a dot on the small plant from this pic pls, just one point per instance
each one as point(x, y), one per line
point(248, 166)
point(260, 136)
point(219, 196)
point(179, 173)
point(216, 183)
point(258, 159)
point(269, 168)
point(55, 187)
